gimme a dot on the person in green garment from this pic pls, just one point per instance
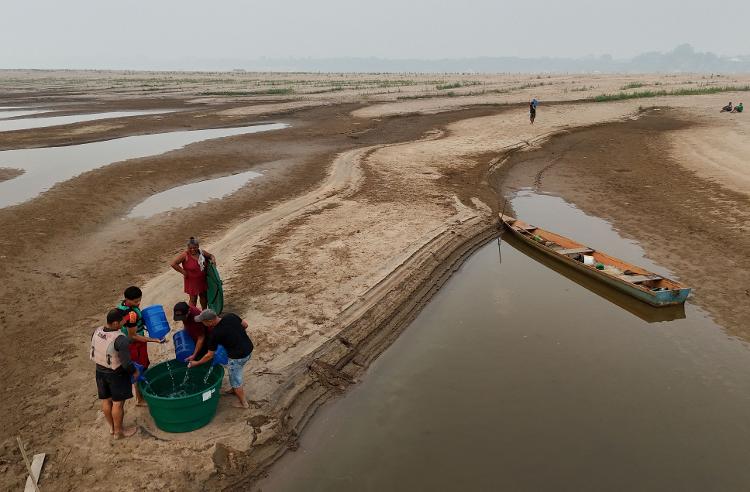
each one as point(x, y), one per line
point(738, 109)
point(133, 328)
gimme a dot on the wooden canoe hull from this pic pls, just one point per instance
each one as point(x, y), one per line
point(677, 294)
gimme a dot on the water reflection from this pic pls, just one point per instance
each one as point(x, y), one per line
point(190, 194)
point(7, 125)
point(516, 378)
point(46, 166)
point(644, 311)
point(5, 115)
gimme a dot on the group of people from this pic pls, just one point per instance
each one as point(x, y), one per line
point(729, 109)
point(119, 348)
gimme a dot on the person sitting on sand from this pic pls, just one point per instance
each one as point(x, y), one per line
point(133, 327)
point(727, 108)
point(191, 263)
point(110, 350)
point(738, 109)
point(195, 329)
point(228, 330)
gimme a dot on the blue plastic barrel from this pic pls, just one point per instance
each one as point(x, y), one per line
point(220, 356)
point(184, 346)
point(141, 373)
point(156, 321)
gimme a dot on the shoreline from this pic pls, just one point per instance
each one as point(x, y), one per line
point(354, 225)
point(370, 326)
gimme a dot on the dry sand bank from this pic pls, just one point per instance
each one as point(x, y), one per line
point(358, 218)
point(9, 173)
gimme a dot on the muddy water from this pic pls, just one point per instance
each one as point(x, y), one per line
point(7, 113)
point(190, 194)
point(7, 125)
point(516, 377)
point(46, 166)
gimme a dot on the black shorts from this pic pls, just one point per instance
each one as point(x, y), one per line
point(115, 385)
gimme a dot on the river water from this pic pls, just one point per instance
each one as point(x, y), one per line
point(190, 194)
point(7, 125)
point(44, 167)
point(516, 377)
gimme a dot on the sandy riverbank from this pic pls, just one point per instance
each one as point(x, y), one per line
point(364, 208)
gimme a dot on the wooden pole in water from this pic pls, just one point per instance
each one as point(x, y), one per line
point(505, 202)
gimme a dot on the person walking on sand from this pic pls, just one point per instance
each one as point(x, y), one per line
point(191, 263)
point(110, 350)
point(230, 331)
point(532, 110)
point(134, 328)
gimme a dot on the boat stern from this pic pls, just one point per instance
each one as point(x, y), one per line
point(672, 296)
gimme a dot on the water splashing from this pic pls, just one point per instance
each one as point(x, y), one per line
point(171, 376)
point(208, 374)
point(185, 379)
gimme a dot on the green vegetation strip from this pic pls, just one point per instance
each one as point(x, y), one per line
point(676, 92)
point(275, 91)
point(632, 85)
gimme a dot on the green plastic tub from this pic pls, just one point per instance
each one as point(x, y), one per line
point(182, 408)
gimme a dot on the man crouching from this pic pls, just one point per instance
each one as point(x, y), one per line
point(110, 350)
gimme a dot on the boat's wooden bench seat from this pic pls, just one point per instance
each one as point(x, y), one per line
point(574, 251)
point(637, 279)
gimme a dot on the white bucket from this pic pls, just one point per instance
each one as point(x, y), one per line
point(589, 260)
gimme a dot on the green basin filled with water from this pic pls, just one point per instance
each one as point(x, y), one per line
point(182, 399)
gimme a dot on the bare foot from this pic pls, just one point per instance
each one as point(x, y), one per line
point(230, 391)
point(126, 433)
point(237, 404)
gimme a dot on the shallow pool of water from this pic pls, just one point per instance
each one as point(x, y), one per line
point(516, 377)
point(190, 194)
point(10, 113)
point(7, 125)
point(47, 166)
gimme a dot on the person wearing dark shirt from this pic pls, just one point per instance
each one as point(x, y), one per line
point(230, 331)
point(110, 350)
point(195, 329)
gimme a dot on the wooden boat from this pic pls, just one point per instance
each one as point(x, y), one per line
point(630, 279)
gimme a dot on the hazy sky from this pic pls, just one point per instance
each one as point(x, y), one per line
point(69, 33)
